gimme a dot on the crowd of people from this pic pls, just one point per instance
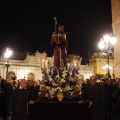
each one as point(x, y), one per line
point(17, 98)
point(103, 97)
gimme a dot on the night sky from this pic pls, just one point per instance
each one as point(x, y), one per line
point(28, 26)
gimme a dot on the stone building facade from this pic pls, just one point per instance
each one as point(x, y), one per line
point(31, 67)
point(115, 8)
point(100, 62)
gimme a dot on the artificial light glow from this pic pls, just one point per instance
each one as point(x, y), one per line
point(101, 44)
point(110, 67)
point(106, 67)
point(106, 38)
point(113, 40)
point(103, 53)
point(107, 42)
point(8, 53)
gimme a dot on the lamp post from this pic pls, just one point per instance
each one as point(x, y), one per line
point(106, 68)
point(107, 43)
point(8, 53)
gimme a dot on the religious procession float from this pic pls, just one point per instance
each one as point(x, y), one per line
point(62, 79)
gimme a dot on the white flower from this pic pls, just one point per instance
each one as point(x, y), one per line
point(64, 83)
point(68, 88)
point(50, 79)
point(54, 84)
point(57, 76)
point(62, 80)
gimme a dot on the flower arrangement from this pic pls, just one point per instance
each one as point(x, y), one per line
point(65, 81)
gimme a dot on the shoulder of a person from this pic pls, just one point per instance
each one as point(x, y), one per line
point(29, 88)
point(64, 34)
point(88, 84)
point(99, 85)
point(15, 90)
point(54, 34)
point(38, 86)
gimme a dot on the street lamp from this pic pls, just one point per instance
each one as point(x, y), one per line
point(7, 54)
point(106, 67)
point(107, 43)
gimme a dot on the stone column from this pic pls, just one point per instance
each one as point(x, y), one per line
point(115, 9)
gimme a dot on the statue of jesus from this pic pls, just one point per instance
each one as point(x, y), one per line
point(59, 42)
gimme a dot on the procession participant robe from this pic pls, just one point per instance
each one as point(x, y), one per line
point(33, 107)
point(95, 94)
point(20, 103)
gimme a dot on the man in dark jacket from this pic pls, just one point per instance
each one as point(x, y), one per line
point(93, 95)
point(21, 97)
point(6, 105)
point(33, 107)
point(116, 95)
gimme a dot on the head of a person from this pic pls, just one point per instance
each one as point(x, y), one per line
point(23, 83)
point(15, 83)
point(9, 80)
point(60, 28)
point(119, 81)
point(35, 82)
point(87, 81)
point(93, 79)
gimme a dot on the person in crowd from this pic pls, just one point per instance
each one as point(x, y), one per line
point(22, 95)
point(33, 107)
point(36, 89)
point(15, 84)
point(8, 91)
point(111, 86)
point(116, 96)
point(14, 78)
point(1, 97)
point(92, 94)
point(2, 85)
point(106, 97)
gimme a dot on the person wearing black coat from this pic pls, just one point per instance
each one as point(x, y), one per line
point(92, 95)
point(22, 95)
point(116, 96)
point(8, 91)
point(33, 107)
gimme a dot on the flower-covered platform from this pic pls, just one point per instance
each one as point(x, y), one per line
point(62, 84)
